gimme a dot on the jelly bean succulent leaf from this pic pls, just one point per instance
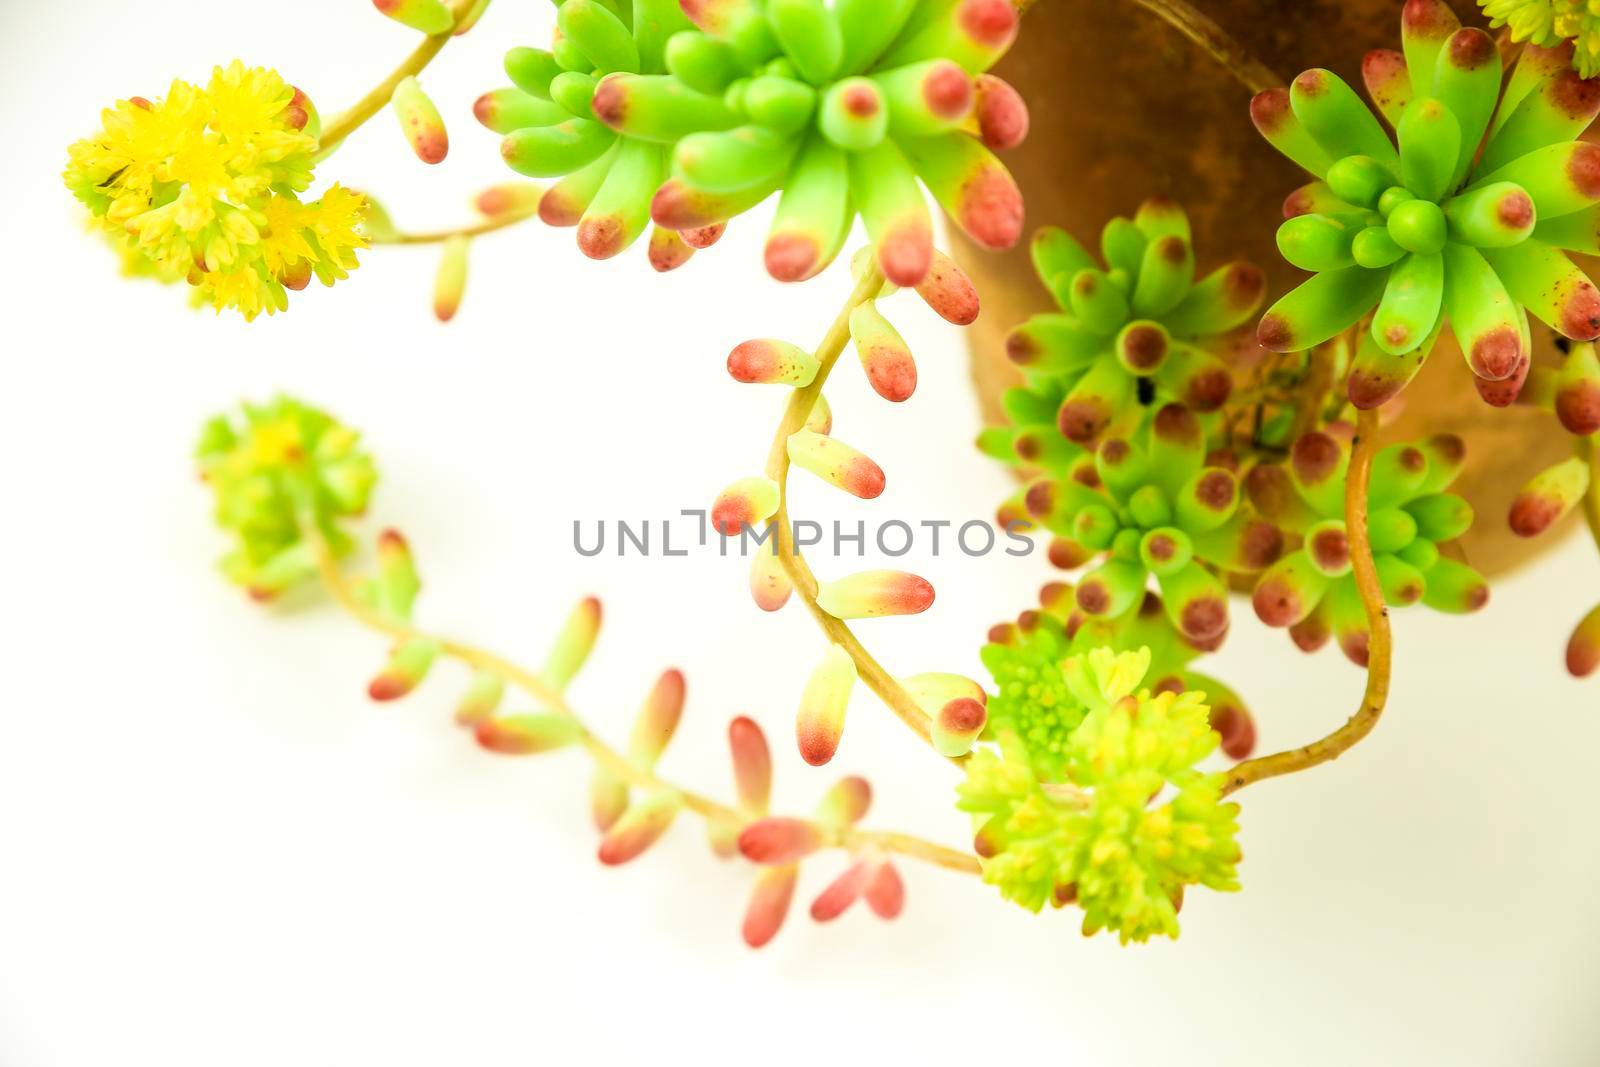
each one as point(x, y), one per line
point(1438, 230)
point(1570, 391)
point(1550, 496)
point(206, 185)
point(1132, 333)
point(1409, 516)
point(273, 470)
point(1135, 823)
point(690, 116)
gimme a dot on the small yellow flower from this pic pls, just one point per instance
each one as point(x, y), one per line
point(274, 443)
point(335, 221)
point(204, 185)
point(249, 290)
point(283, 244)
point(247, 106)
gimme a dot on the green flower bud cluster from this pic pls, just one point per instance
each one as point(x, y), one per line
point(1154, 507)
point(1438, 230)
point(1132, 334)
point(1569, 26)
point(1034, 703)
point(690, 115)
point(1100, 840)
point(279, 468)
point(1312, 590)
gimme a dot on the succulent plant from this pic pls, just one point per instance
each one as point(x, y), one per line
point(692, 116)
point(1083, 768)
point(1409, 516)
point(1440, 229)
point(1131, 335)
point(1153, 506)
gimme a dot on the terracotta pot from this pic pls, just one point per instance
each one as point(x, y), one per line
point(1124, 108)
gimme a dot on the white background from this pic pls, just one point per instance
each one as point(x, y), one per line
point(217, 852)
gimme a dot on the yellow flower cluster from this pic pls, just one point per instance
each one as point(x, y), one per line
point(205, 186)
point(1101, 839)
point(1579, 22)
point(1549, 22)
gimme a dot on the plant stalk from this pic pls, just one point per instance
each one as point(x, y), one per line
point(477, 229)
point(1380, 645)
point(1199, 28)
point(801, 402)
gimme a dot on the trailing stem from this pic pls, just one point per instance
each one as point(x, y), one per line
point(1380, 647)
point(477, 229)
point(601, 752)
point(1199, 28)
point(801, 402)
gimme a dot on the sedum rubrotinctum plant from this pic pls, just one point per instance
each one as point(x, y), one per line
point(1167, 455)
point(1466, 223)
point(691, 115)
